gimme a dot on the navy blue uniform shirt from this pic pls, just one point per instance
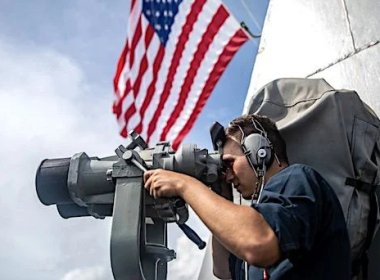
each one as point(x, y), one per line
point(305, 214)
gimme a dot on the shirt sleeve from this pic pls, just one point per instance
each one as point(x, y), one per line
point(290, 205)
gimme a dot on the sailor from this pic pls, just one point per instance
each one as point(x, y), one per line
point(294, 227)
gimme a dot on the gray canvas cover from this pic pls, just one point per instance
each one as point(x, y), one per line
point(334, 132)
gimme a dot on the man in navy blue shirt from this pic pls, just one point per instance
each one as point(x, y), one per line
point(294, 228)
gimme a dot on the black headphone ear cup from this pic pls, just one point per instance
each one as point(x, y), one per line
point(257, 149)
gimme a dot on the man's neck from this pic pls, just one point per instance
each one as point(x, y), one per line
point(274, 169)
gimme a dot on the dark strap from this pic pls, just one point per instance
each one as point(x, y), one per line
point(356, 266)
point(361, 264)
point(372, 221)
point(365, 266)
point(234, 265)
point(360, 185)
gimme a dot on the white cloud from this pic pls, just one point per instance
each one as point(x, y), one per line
point(88, 273)
point(45, 111)
point(188, 262)
point(46, 102)
point(189, 258)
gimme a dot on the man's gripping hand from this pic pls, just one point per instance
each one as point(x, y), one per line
point(165, 183)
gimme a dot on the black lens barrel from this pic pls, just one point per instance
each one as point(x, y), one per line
point(51, 181)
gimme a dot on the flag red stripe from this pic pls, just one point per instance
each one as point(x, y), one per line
point(131, 110)
point(143, 66)
point(151, 88)
point(135, 40)
point(124, 132)
point(136, 37)
point(149, 32)
point(186, 30)
point(144, 61)
point(133, 3)
point(229, 50)
point(120, 66)
point(142, 69)
point(117, 109)
point(218, 19)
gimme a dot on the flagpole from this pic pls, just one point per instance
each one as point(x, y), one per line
point(245, 27)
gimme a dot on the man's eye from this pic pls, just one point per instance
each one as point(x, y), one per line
point(227, 165)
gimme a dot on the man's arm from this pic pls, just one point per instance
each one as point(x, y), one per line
point(240, 229)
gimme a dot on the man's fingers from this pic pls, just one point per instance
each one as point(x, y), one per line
point(148, 174)
point(148, 181)
point(151, 185)
point(149, 177)
point(151, 192)
point(160, 183)
point(155, 192)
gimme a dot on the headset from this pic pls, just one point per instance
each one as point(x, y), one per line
point(257, 148)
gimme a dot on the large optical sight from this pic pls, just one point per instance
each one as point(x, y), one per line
point(113, 186)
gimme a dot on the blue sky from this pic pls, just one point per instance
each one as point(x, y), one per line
point(57, 60)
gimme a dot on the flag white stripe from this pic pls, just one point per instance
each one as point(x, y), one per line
point(139, 54)
point(145, 82)
point(227, 30)
point(132, 23)
point(128, 101)
point(134, 19)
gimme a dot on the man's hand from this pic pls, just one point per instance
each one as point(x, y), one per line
point(164, 183)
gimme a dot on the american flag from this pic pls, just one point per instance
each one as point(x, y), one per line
point(175, 52)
